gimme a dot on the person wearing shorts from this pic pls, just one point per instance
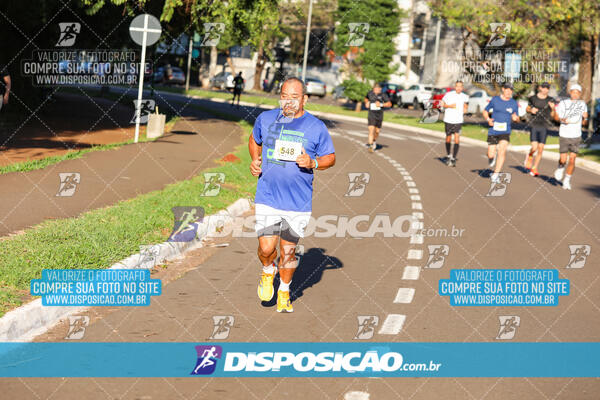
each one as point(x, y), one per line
point(455, 105)
point(572, 114)
point(504, 110)
point(375, 101)
point(238, 86)
point(286, 146)
point(541, 109)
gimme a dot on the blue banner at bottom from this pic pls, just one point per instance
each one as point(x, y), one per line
point(282, 359)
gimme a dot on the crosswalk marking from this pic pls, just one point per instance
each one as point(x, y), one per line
point(411, 273)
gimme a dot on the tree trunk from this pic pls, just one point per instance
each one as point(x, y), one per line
point(260, 65)
point(230, 63)
point(585, 69)
point(212, 68)
point(358, 106)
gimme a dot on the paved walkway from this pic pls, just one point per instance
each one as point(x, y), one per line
point(194, 143)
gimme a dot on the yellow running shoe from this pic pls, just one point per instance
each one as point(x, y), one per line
point(265, 286)
point(283, 302)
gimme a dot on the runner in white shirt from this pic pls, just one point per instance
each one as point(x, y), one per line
point(572, 114)
point(455, 105)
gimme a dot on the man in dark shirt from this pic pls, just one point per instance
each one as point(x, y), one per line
point(540, 108)
point(4, 86)
point(375, 101)
point(238, 86)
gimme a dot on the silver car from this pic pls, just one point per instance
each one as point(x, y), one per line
point(315, 87)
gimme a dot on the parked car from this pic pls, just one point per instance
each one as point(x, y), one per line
point(437, 96)
point(478, 100)
point(416, 95)
point(393, 91)
point(315, 87)
point(222, 80)
point(168, 75)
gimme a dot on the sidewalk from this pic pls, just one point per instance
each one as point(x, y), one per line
point(195, 142)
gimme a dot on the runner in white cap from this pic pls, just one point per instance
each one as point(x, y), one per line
point(572, 114)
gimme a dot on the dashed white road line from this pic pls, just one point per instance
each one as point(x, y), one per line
point(392, 324)
point(357, 396)
point(411, 273)
point(405, 295)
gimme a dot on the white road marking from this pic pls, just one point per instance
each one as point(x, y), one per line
point(415, 197)
point(411, 184)
point(357, 396)
point(418, 215)
point(413, 190)
point(408, 178)
point(416, 239)
point(411, 273)
point(417, 206)
point(392, 324)
point(414, 254)
point(417, 225)
point(405, 295)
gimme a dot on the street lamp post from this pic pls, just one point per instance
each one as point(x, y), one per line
point(306, 41)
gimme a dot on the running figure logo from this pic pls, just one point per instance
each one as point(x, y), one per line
point(358, 183)
point(500, 31)
point(186, 223)
point(212, 183)
point(366, 326)
point(579, 255)
point(508, 326)
point(357, 31)
point(207, 359)
point(146, 108)
point(68, 33)
point(148, 254)
point(497, 189)
point(212, 33)
point(223, 325)
point(437, 255)
point(77, 325)
point(68, 183)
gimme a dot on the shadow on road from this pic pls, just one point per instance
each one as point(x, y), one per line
point(310, 271)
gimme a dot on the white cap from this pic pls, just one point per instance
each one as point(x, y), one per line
point(575, 86)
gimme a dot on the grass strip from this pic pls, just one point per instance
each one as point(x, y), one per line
point(102, 237)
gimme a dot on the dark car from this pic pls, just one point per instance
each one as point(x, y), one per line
point(392, 90)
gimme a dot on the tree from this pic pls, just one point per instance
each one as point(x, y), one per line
point(548, 25)
point(373, 58)
point(256, 22)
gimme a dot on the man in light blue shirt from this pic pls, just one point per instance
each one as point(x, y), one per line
point(504, 110)
point(287, 145)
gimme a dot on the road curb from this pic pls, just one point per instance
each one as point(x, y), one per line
point(23, 324)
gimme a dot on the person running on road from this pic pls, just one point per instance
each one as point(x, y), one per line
point(455, 104)
point(504, 111)
point(238, 86)
point(541, 108)
point(287, 145)
point(572, 114)
point(375, 100)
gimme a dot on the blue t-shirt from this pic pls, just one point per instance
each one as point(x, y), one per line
point(502, 112)
point(283, 184)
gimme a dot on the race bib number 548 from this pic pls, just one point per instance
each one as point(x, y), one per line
point(287, 151)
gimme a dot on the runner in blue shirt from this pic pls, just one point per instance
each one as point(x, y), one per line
point(504, 110)
point(287, 145)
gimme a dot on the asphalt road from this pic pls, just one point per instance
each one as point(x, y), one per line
point(342, 278)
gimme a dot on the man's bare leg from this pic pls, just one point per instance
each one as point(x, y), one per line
point(501, 155)
point(267, 249)
point(538, 156)
point(287, 267)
